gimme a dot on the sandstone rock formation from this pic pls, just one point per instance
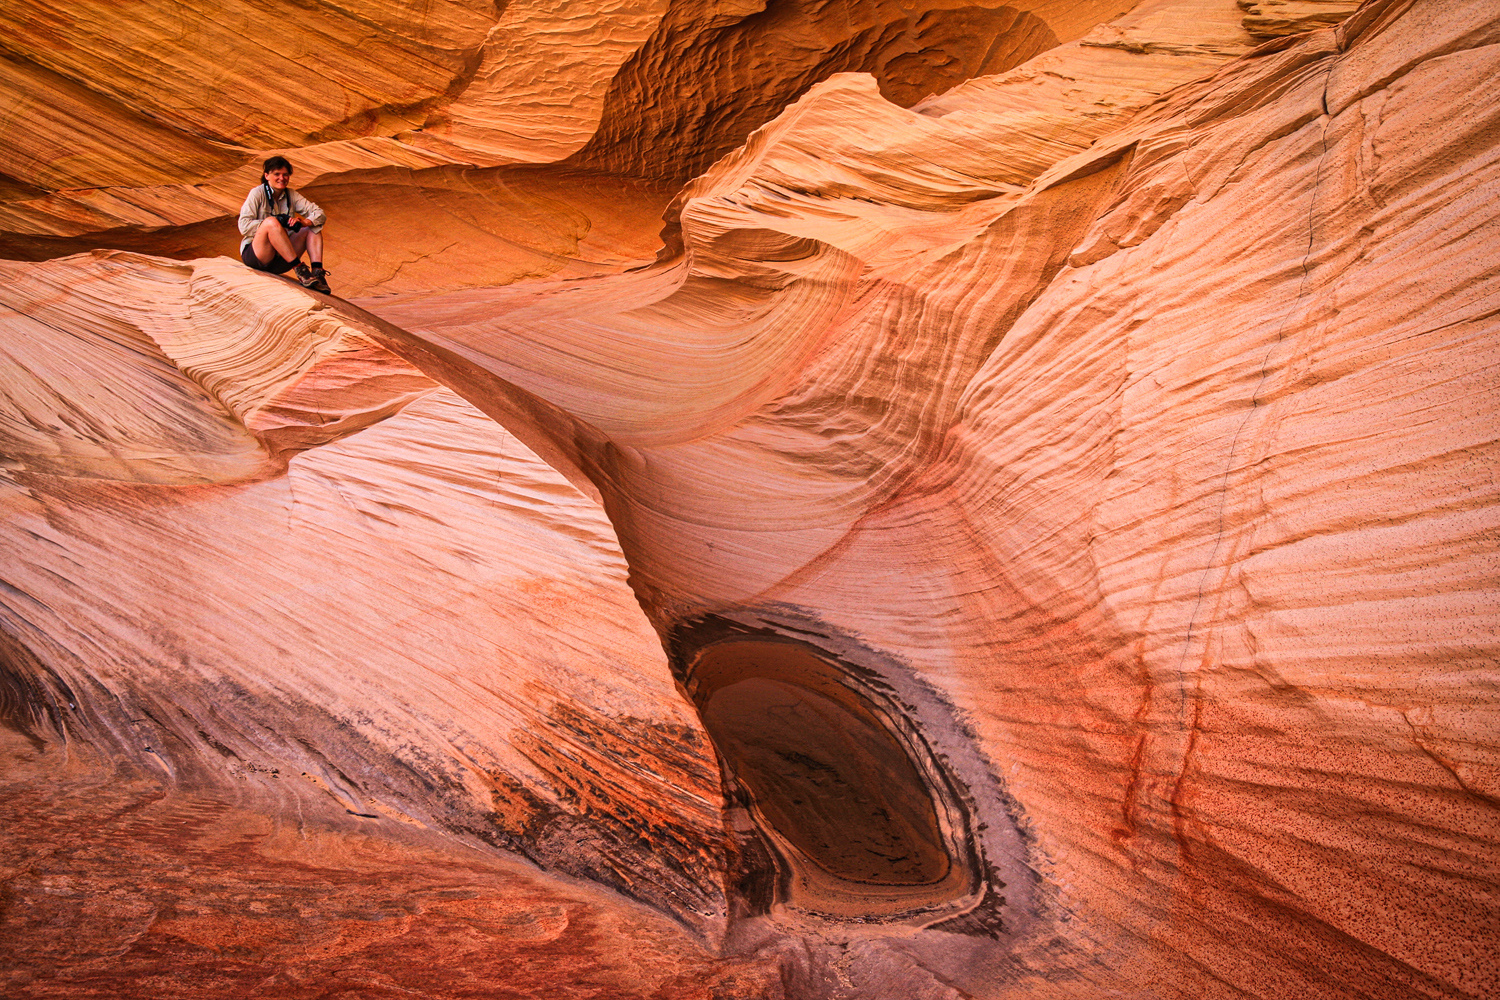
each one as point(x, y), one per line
point(1023, 524)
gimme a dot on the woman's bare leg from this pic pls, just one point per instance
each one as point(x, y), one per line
point(314, 246)
point(270, 239)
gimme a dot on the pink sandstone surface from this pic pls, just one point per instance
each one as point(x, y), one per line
point(795, 499)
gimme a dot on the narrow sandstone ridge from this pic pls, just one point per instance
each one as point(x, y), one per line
point(1063, 512)
point(416, 623)
point(247, 374)
point(108, 403)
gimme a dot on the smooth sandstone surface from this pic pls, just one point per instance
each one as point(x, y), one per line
point(871, 500)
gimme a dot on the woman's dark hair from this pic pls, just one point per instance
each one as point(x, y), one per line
point(275, 163)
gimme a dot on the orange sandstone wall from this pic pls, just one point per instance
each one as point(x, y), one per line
point(1023, 525)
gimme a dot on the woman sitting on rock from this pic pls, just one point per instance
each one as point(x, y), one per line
point(278, 224)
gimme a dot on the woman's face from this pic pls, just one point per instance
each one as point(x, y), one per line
point(278, 178)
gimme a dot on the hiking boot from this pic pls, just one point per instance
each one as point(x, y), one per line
point(317, 279)
point(312, 277)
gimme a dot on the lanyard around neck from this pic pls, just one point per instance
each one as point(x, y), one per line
point(271, 200)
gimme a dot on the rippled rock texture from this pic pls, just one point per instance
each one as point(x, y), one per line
point(868, 499)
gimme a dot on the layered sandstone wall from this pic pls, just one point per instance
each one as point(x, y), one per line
point(1033, 537)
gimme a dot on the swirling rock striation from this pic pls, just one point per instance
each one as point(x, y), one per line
point(1060, 449)
point(148, 141)
point(1032, 537)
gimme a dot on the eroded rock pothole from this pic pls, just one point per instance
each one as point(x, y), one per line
point(864, 789)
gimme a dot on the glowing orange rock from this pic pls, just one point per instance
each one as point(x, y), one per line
point(1061, 508)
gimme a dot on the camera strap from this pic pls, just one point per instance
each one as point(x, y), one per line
point(281, 217)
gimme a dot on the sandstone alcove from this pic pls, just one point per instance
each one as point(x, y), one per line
point(865, 823)
point(792, 499)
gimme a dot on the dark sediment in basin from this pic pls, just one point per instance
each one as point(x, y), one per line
point(841, 763)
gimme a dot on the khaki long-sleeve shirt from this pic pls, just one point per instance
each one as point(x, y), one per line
point(257, 209)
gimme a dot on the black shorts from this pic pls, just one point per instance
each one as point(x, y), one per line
point(277, 265)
